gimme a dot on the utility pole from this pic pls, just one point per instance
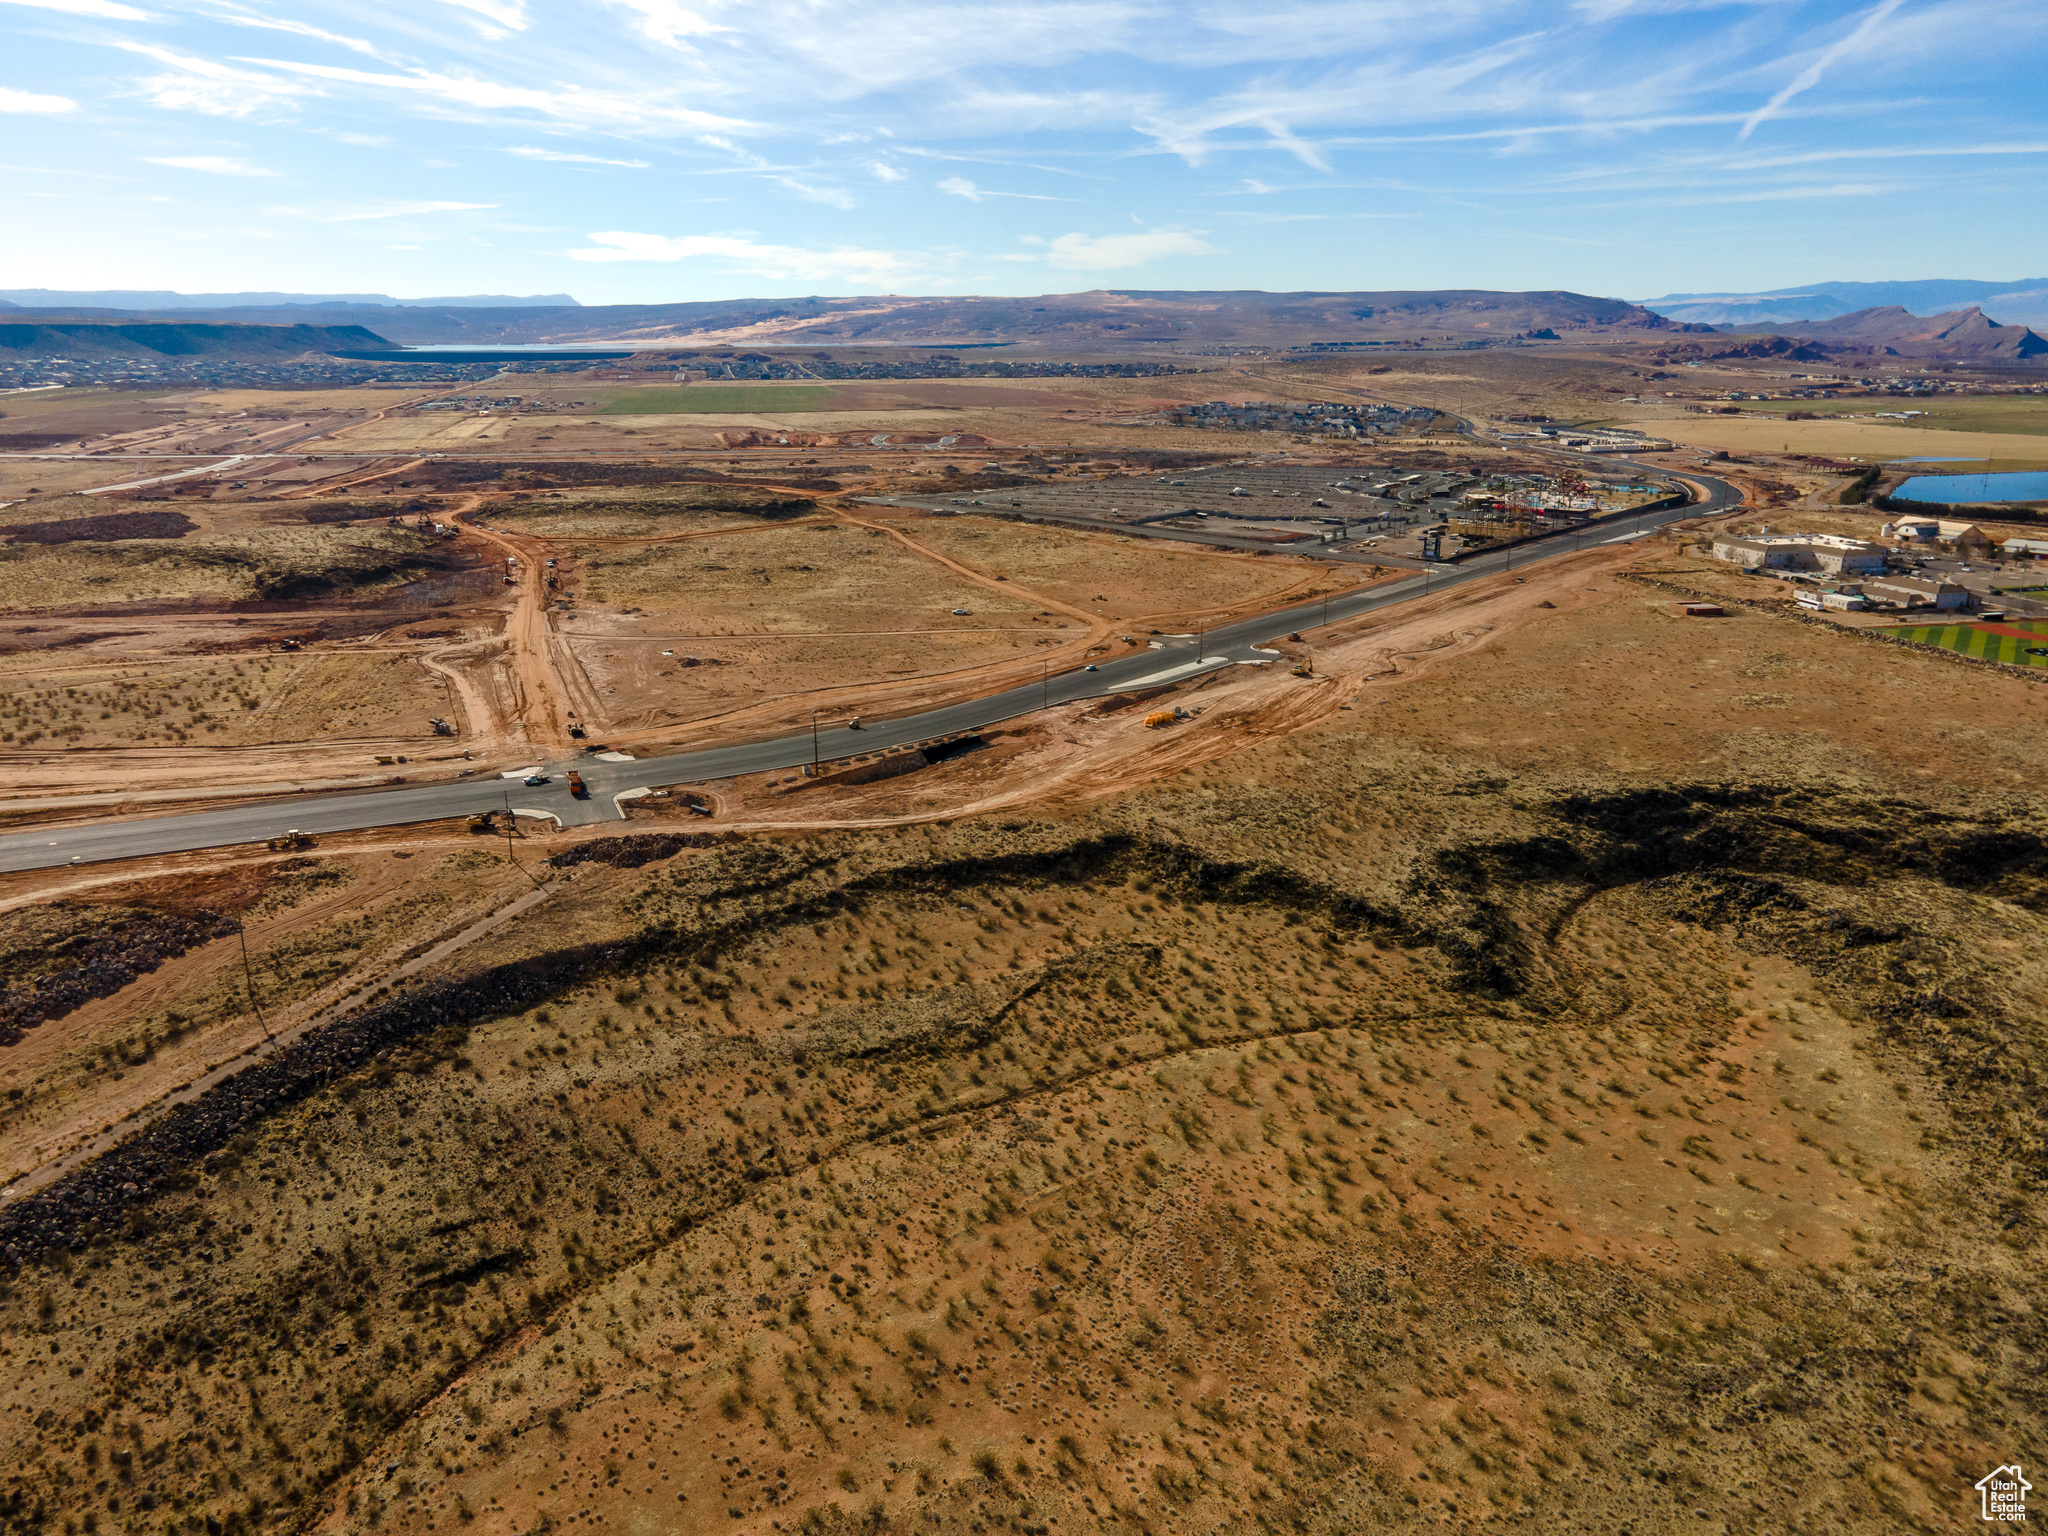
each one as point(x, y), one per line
point(510, 822)
point(249, 975)
point(1045, 684)
point(814, 740)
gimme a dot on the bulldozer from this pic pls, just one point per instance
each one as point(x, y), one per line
point(290, 840)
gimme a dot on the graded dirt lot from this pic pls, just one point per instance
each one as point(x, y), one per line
point(1150, 583)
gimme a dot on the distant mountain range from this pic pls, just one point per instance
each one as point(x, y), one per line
point(1889, 330)
point(1103, 320)
point(2021, 302)
point(159, 340)
point(157, 299)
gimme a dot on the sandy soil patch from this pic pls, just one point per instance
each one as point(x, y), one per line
point(1135, 580)
point(279, 560)
point(709, 676)
point(287, 402)
point(792, 579)
point(24, 477)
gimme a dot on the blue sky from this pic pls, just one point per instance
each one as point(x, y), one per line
point(656, 150)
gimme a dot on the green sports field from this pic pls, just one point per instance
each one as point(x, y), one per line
point(1983, 643)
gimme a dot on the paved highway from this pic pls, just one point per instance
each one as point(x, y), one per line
point(1174, 659)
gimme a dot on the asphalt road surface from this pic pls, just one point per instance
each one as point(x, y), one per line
point(1170, 661)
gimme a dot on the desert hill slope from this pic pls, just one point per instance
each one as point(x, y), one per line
point(2023, 301)
point(111, 339)
point(166, 298)
point(1103, 318)
point(1967, 333)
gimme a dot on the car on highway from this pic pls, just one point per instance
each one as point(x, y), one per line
point(535, 780)
point(1091, 667)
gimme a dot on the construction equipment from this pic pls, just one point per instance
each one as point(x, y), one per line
point(576, 785)
point(1160, 718)
point(442, 727)
point(290, 840)
point(1302, 669)
point(482, 821)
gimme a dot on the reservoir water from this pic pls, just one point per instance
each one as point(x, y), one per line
point(2026, 485)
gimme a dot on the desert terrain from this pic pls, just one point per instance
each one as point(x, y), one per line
point(1526, 1056)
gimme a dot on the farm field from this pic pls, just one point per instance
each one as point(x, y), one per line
point(1937, 413)
point(1866, 440)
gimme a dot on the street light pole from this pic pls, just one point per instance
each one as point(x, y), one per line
point(249, 975)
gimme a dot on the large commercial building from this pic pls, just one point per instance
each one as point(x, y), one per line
point(1828, 553)
point(1936, 530)
point(1917, 592)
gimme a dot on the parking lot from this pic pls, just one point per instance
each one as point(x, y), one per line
point(1360, 514)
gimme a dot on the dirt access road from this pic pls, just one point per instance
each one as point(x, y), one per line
point(548, 697)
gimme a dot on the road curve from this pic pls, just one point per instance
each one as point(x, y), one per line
point(1238, 642)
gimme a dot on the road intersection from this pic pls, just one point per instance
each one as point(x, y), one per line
point(1170, 659)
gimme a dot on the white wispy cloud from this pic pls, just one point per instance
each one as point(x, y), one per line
point(29, 101)
point(960, 186)
point(494, 18)
point(213, 165)
point(831, 197)
point(669, 22)
point(564, 157)
point(390, 210)
point(839, 264)
point(195, 84)
point(571, 103)
point(1888, 152)
point(101, 10)
point(1098, 253)
point(300, 29)
point(1810, 76)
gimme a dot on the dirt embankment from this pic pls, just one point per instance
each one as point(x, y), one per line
point(1077, 1162)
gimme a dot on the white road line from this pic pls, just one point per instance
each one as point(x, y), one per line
point(1172, 674)
point(179, 474)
